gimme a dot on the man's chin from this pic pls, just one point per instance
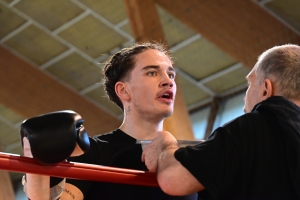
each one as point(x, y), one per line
point(246, 110)
point(168, 114)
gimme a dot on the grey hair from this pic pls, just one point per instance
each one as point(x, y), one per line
point(281, 64)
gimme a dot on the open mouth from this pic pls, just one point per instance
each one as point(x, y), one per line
point(167, 95)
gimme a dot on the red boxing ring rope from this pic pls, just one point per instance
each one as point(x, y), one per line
point(17, 163)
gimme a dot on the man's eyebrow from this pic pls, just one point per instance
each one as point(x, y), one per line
point(150, 67)
point(172, 69)
point(157, 67)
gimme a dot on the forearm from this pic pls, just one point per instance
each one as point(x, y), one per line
point(165, 173)
point(38, 187)
point(171, 174)
point(173, 178)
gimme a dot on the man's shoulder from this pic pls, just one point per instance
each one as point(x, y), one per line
point(248, 119)
point(104, 137)
point(250, 124)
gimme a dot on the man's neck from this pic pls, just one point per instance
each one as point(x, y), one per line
point(297, 103)
point(141, 129)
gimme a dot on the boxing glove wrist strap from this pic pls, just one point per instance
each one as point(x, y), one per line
point(43, 193)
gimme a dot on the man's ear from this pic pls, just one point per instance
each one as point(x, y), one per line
point(121, 90)
point(268, 89)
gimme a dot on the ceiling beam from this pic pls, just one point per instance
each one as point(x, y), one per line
point(241, 28)
point(30, 92)
point(214, 108)
point(144, 20)
point(145, 24)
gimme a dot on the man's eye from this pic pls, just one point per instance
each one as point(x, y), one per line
point(152, 73)
point(171, 76)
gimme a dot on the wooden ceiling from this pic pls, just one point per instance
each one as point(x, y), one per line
point(51, 51)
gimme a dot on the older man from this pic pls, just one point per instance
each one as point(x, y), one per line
point(255, 156)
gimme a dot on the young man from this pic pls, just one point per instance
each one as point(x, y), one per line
point(141, 80)
point(255, 156)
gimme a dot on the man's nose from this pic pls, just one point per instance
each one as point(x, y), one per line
point(167, 82)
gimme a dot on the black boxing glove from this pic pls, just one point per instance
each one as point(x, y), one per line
point(54, 136)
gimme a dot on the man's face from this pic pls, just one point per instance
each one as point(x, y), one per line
point(254, 93)
point(152, 85)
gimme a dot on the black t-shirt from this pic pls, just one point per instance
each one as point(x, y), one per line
point(117, 149)
point(248, 158)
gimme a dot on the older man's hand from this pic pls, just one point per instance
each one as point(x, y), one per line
point(163, 141)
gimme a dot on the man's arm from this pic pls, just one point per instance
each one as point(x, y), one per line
point(173, 178)
point(37, 187)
